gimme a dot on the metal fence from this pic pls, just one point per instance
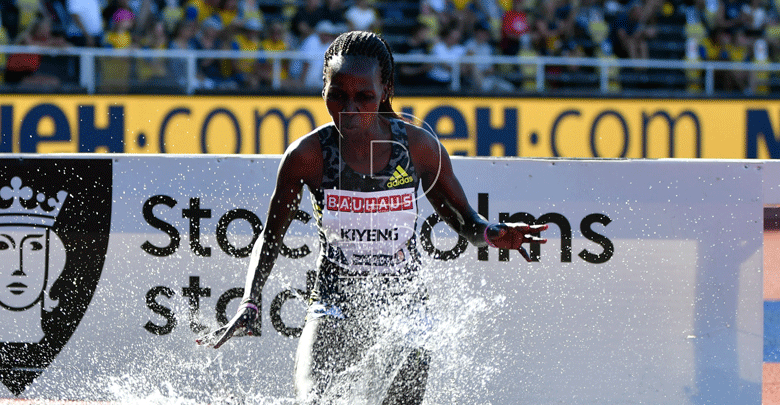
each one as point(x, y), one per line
point(603, 72)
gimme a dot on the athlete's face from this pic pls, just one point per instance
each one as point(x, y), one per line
point(353, 91)
point(22, 266)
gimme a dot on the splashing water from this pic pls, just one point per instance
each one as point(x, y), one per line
point(447, 328)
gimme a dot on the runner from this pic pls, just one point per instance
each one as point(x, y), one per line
point(363, 171)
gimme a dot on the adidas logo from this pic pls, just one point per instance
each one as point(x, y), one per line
point(399, 178)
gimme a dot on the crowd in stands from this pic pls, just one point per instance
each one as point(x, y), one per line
point(725, 30)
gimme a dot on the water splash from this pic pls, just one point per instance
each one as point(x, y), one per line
point(450, 327)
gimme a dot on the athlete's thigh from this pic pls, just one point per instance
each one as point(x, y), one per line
point(408, 387)
point(327, 346)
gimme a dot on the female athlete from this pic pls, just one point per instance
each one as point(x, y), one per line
point(363, 171)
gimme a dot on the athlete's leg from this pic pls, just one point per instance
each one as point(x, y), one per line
point(314, 359)
point(327, 346)
point(408, 387)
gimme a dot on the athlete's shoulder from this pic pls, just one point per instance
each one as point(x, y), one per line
point(420, 139)
point(424, 148)
point(311, 142)
point(303, 158)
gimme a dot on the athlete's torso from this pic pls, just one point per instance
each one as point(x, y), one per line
point(367, 221)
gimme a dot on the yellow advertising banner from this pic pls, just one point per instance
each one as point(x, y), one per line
point(526, 127)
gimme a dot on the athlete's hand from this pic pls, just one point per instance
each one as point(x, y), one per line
point(242, 324)
point(513, 235)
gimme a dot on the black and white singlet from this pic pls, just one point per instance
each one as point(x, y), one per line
point(366, 295)
point(366, 222)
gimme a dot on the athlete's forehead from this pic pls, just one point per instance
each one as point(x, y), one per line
point(354, 65)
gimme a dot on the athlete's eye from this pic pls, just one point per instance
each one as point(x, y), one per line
point(335, 95)
point(4, 246)
point(36, 245)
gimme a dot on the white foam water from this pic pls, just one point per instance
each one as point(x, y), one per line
point(458, 309)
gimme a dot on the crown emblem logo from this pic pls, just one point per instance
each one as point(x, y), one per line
point(20, 205)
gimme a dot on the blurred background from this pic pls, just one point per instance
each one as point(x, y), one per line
point(654, 48)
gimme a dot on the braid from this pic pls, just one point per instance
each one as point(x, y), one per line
point(363, 43)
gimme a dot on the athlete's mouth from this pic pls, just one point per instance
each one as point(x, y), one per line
point(349, 125)
point(17, 288)
point(350, 122)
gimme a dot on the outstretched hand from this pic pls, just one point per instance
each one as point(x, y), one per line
point(513, 235)
point(242, 324)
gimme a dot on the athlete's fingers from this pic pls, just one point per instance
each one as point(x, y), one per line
point(524, 253)
point(209, 338)
point(226, 335)
point(535, 229)
point(534, 239)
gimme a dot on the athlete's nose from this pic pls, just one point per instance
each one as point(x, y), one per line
point(18, 272)
point(350, 106)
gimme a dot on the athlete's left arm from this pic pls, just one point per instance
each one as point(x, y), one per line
point(444, 191)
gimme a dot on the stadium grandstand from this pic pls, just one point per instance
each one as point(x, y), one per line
point(655, 47)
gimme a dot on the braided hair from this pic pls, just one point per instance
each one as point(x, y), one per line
point(363, 43)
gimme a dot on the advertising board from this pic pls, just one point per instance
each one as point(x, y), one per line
point(648, 291)
point(573, 128)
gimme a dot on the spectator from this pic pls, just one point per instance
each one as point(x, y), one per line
point(588, 13)
point(490, 9)
point(430, 18)
point(276, 40)
point(466, 14)
point(111, 8)
point(334, 11)
point(731, 16)
point(200, 10)
point(514, 24)
point(149, 69)
point(229, 14)
point(248, 40)
point(486, 10)
point(11, 17)
point(721, 45)
point(444, 11)
point(306, 18)
point(773, 40)
point(217, 73)
point(361, 16)
point(120, 36)
point(450, 49)
point(484, 75)
point(58, 14)
point(418, 43)
point(183, 38)
point(34, 69)
point(757, 17)
point(694, 11)
point(115, 71)
point(554, 27)
point(86, 17)
point(309, 71)
point(248, 9)
point(629, 37)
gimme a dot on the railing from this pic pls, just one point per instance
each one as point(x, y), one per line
point(88, 57)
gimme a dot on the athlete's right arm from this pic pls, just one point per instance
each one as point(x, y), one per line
point(301, 164)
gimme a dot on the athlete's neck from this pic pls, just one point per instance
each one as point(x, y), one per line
point(369, 153)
